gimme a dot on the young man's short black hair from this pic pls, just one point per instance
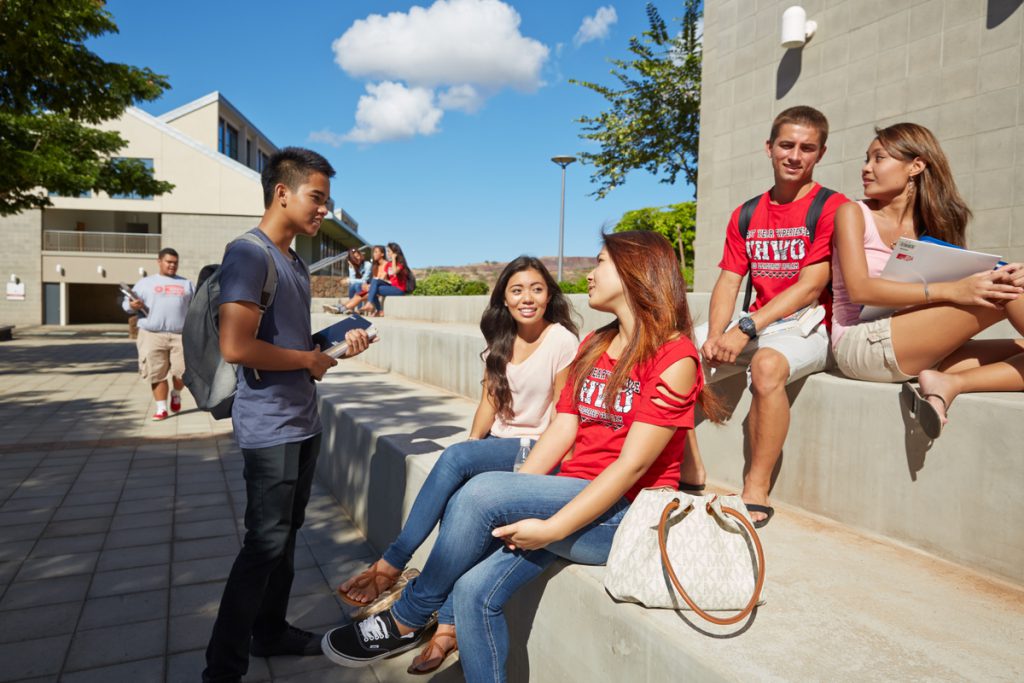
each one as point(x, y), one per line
point(291, 167)
point(166, 251)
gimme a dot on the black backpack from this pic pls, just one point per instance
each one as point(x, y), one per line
point(810, 222)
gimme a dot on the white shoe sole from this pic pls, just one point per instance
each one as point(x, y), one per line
point(341, 660)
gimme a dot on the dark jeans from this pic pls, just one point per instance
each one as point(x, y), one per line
point(277, 486)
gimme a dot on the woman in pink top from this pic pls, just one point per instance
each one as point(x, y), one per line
point(910, 192)
point(531, 341)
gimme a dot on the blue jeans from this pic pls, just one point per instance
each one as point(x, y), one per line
point(457, 465)
point(278, 480)
point(379, 288)
point(483, 574)
point(354, 287)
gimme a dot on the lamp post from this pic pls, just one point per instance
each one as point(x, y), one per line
point(562, 161)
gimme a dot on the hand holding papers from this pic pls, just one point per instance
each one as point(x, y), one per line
point(133, 297)
point(331, 340)
point(928, 262)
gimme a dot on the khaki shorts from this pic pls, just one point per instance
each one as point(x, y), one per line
point(865, 352)
point(160, 353)
point(805, 355)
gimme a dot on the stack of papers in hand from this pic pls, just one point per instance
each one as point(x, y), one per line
point(331, 339)
point(132, 296)
point(928, 262)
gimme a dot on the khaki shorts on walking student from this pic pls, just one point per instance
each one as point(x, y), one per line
point(865, 352)
point(805, 355)
point(160, 353)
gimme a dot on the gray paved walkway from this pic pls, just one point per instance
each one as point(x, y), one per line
point(116, 533)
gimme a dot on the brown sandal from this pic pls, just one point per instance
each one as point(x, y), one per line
point(387, 597)
point(427, 661)
point(370, 577)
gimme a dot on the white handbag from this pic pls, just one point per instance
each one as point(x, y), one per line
point(677, 551)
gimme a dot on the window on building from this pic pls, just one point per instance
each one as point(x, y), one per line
point(133, 195)
point(227, 139)
point(80, 195)
point(262, 162)
point(248, 152)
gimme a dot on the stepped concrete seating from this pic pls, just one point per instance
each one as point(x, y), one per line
point(853, 453)
point(841, 604)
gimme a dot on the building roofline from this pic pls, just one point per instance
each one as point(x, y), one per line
point(210, 98)
point(167, 129)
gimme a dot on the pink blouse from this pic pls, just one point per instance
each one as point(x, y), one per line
point(845, 313)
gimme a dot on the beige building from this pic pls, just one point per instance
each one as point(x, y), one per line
point(954, 66)
point(63, 263)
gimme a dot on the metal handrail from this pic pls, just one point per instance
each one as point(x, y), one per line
point(101, 242)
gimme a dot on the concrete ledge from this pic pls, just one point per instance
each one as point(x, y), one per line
point(872, 609)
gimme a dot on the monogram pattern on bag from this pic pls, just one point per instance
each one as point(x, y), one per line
point(710, 553)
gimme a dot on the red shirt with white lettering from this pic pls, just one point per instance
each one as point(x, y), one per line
point(778, 245)
point(603, 428)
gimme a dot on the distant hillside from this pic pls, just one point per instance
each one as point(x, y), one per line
point(573, 267)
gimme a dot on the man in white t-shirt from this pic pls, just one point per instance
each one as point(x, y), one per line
point(161, 302)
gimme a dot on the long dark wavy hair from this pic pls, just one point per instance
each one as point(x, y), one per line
point(399, 255)
point(500, 329)
point(656, 293)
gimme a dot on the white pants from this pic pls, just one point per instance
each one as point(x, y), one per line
point(805, 355)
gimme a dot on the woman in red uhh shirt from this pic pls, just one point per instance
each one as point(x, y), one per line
point(625, 412)
point(396, 274)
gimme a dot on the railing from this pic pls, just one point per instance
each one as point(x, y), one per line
point(103, 242)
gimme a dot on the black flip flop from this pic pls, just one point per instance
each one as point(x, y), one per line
point(764, 510)
point(923, 411)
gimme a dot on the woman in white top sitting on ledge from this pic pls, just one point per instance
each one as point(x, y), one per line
point(531, 341)
point(910, 192)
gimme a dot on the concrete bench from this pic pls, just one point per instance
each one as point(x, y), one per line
point(841, 605)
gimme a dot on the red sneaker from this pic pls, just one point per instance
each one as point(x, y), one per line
point(159, 415)
point(175, 403)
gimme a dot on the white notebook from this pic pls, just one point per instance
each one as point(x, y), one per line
point(927, 262)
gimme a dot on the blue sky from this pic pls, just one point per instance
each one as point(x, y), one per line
point(459, 109)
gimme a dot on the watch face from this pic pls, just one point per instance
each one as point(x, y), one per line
point(747, 326)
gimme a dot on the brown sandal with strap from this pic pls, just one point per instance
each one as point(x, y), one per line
point(427, 661)
point(380, 580)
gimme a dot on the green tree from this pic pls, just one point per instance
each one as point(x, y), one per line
point(53, 92)
point(677, 222)
point(653, 122)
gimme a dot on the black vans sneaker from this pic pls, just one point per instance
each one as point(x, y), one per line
point(367, 640)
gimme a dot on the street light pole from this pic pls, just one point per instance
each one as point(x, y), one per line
point(562, 161)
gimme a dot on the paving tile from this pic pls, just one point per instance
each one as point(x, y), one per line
point(45, 592)
point(199, 500)
point(36, 568)
point(190, 631)
point(74, 527)
point(33, 503)
point(138, 520)
point(123, 609)
point(67, 512)
point(201, 571)
point(116, 644)
point(16, 551)
point(197, 598)
point(205, 529)
point(142, 670)
point(65, 545)
point(303, 669)
point(204, 488)
point(21, 517)
point(92, 498)
point(30, 658)
point(39, 622)
point(133, 580)
point(126, 538)
point(216, 546)
point(21, 532)
point(136, 556)
point(310, 581)
point(145, 492)
point(128, 507)
point(7, 572)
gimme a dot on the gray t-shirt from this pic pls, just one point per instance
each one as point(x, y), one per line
point(167, 298)
point(279, 407)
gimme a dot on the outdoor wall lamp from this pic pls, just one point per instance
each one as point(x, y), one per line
point(101, 271)
point(15, 279)
point(60, 269)
point(142, 271)
point(796, 30)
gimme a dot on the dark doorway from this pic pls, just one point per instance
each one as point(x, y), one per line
point(95, 304)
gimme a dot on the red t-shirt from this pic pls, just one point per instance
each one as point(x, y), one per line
point(778, 245)
point(602, 431)
point(398, 278)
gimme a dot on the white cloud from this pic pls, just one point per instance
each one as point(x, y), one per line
point(462, 97)
point(392, 111)
point(596, 27)
point(452, 42)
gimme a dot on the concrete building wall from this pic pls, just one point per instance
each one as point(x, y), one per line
point(200, 239)
point(200, 125)
point(20, 256)
point(954, 66)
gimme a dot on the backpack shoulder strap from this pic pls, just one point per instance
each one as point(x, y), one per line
point(747, 215)
point(270, 283)
point(814, 212)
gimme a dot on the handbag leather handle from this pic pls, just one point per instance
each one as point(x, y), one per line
point(662, 545)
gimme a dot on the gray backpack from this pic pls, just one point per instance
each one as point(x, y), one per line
point(211, 380)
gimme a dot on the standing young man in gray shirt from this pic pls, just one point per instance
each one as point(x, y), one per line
point(161, 302)
point(275, 413)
